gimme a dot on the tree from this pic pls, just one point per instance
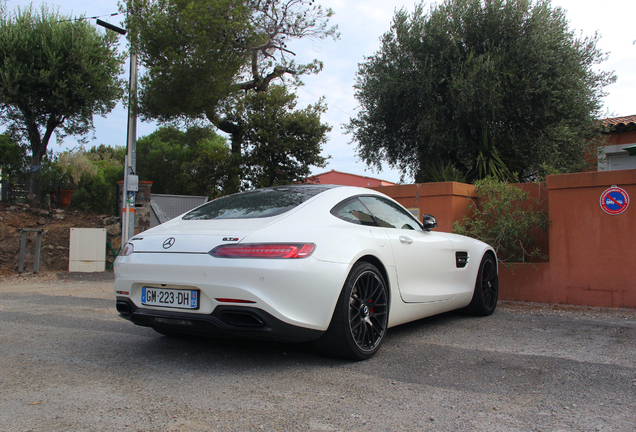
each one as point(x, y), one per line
point(193, 162)
point(55, 74)
point(200, 54)
point(107, 155)
point(280, 143)
point(479, 87)
point(13, 159)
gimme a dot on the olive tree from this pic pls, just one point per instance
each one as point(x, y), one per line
point(473, 88)
point(56, 73)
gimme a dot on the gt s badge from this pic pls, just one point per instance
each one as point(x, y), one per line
point(230, 239)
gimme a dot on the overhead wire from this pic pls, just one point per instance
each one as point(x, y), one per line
point(326, 103)
point(92, 17)
point(84, 18)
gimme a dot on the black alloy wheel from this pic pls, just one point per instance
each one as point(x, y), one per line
point(486, 292)
point(489, 283)
point(361, 317)
point(368, 311)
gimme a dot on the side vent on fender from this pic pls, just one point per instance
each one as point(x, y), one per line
point(461, 259)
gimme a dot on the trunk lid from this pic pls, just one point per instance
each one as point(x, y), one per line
point(196, 236)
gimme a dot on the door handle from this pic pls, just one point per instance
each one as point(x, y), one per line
point(406, 240)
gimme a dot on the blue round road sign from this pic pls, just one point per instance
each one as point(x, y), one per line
point(614, 200)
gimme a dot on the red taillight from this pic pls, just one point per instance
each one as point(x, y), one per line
point(270, 250)
point(230, 300)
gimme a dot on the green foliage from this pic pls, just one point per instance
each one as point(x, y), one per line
point(505, 217)
point(95, 193)
point(105, 155)
point(110, 163)
point(280, 142)
point(55, 74)
point(193, 162)
point(494, 88)
point(74, 165)
point(191, 52)
point(201, 55)
point(93, 175)
point(13, 160)
point(444, 172)
point(197, 52)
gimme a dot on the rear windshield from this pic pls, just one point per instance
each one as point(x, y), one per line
point(259, 203)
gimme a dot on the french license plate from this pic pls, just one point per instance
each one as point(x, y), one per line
point(173, 298)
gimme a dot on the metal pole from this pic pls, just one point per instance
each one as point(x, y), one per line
point(38, 240)
point(130, 166)
point(36, 259)
point(22, 246)
point(132, 113)
point(131, 145)
point(124, 205)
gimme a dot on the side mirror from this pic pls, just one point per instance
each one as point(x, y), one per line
point(429, 222)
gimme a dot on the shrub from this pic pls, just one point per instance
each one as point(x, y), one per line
point(75, 165)
point(94, 194)
point(505, 217)
point(92, 174)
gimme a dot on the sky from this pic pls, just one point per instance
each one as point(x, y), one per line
point(361, 24)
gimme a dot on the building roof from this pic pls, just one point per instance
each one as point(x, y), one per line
point(620, 120)
point(347, 179)
point(621, 124)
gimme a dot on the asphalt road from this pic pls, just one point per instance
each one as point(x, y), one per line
point(69, 363)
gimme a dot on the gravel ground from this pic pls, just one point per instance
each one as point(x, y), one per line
point(69, 363)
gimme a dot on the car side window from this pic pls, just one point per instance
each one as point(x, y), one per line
point(353, 211)
point(390, 215)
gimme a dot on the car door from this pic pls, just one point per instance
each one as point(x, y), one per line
point(424, 260)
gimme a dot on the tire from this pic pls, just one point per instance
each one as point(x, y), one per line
point(361, 316)
point(486, 292)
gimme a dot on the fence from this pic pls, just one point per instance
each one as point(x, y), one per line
point(591, 251)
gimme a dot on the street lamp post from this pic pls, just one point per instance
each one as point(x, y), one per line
point(130, 179)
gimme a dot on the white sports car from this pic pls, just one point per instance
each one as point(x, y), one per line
point(337, 265)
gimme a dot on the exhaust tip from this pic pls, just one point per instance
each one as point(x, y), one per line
point(242, 319)
point(123, 308)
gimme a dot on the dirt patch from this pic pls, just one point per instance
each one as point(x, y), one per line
point(56, 226)
point(87, 285)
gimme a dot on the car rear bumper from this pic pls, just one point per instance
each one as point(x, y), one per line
point(301, 293)
point(234, 321)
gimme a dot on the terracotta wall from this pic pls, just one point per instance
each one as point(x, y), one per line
point(446, 201)
point(591, 252)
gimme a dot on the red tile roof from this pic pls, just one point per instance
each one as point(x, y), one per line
point(616, 121)
point(347, 179)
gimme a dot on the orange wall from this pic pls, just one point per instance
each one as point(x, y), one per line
point(446, 201)
point(591, 252)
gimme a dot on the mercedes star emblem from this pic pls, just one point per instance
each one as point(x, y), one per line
point(168, 243)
